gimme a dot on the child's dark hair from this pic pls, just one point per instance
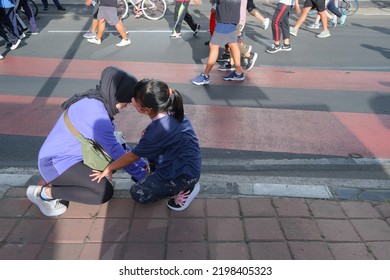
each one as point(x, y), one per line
point(157, 95)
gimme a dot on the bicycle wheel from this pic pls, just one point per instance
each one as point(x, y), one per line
point(154, 9)
point(348, 7)
point(34, 7)
point(123, 9)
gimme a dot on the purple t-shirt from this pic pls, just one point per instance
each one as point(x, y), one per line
point(61, 149)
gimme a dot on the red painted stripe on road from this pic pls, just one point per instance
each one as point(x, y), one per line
point(220, 127)
point(183, 73)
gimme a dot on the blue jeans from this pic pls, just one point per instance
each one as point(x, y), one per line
point(152, 188)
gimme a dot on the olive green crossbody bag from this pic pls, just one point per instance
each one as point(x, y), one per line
point(93, 154)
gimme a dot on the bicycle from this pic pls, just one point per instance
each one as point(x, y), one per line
point(348, 7)
point(151, 9)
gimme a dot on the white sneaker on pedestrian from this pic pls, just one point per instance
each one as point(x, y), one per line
point(95, 41)
point(323, 34)
point(48, 208)
point(334, 21)
point(342, 19)
point(266, 23)
point(124, 42)
point(14, 46)
point(1, 57)
point(314, 26)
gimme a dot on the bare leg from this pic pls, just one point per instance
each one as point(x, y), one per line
point(235, 52)
point(101, 29)
point(121, 29)
point(302, 17)
point(212, 59)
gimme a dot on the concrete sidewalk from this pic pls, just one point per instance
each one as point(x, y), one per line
point(241, 228)
point(222, 223)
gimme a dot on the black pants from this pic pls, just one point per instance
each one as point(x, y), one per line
point(76, 185)
point(184, 16)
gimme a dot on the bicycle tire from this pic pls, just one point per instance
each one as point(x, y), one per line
point(154, 9)
point(348, 7)
point(123, 9)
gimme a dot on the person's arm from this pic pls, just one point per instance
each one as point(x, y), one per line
point(88, 3)
point(121, 162)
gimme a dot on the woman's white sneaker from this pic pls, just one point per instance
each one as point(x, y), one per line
point(48, 208)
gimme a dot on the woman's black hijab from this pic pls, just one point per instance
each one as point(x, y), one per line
point(115, 86)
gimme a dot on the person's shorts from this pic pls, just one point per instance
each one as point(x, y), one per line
point(317, 4)
point(110, 14)
point(250, 6)
point(95, 11)
point(224, 33)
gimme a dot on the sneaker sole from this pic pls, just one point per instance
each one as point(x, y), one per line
point(119, 45)
point(33, 198)
point(234, 79)
point(190, 198)
point(201, 84)
point(226, 70)
point(322, 37)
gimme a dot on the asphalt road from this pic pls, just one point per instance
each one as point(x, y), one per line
point(320, 83)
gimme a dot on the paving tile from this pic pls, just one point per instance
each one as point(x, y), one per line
point(293, 207)
point(185, 230)
point(70, 231)
point(261, 207)
point(61, 252)
point(229, 251)
point(6, 226)
point(195, 210)
point(11, 207)
point(269, 251)
point(326, 209)
point(337, 230)
point(102, 251)
point(152, 230)
point(263, 229)
point(31, 231)
point(145, 251)
point(372, 229)
point(310, 251)
point(79, 210)
point(380, 250)
point(225, 229)
point(350, 251)
point(222, 208)
point(157, 209)
point(20, 251)
point(300, 229)
point(359, 209)
point(109, 230)
point(16, 193)
point(384, 209)
point(187, 251)
point(117, 208)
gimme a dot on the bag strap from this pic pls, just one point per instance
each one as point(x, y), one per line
point(70, 126)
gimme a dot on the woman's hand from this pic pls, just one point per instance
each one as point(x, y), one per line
point(99, 175)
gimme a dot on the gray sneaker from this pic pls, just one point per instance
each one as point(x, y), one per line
point(251, 61)
point(48, 208)
point(323, 34)
point(89, 35)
